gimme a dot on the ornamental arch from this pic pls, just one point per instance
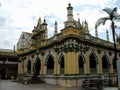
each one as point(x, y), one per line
point(49, 63)
point(105, 64)
point(61, 63)
point(93, 61)
point(81, 64)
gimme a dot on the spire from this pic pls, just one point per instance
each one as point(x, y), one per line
point(55, 31)
point(107, 35)
point(39, 20)
point(39, 24)
point(79, 24)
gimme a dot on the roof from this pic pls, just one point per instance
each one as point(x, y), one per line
point(30, 34)
point(6, 50)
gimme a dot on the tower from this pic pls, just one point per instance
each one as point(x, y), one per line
point(107, 35)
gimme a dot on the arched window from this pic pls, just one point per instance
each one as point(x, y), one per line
point(50, 64)
point(81, 64)
point(105, 64)
point(61, 62)
point(93, 63)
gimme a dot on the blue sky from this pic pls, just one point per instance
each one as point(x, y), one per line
point(17, 16)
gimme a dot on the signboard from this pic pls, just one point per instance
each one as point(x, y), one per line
point(118, 72)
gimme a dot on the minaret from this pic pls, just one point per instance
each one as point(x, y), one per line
point(55, 31)
point(70, 21)
point(96, 32)
point(107, 35)
point(70, 12)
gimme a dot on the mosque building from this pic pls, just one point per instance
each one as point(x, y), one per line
point(68, 57)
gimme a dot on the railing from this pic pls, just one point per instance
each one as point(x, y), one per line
point(50, 71)
point(62, 71)
point(81, 71)
point(93, 71)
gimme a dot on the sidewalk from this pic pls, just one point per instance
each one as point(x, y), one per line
point(110, 88)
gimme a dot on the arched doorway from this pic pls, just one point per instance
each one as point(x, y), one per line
point(93, 63)
point(61, 62)
point(105, 64)
point(81, 62)
point(28, 66)
point(37, 66)
point(50, 65)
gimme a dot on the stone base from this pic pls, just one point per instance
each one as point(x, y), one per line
point(30, 80)
point(36, 80)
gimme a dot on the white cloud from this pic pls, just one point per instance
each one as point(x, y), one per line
point(21, 15)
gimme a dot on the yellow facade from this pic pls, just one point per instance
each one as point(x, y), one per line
point(72, 52)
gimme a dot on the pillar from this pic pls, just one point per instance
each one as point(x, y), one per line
point(76, 62)
point(56, 62)
point(19, 68)
point(70, 61)
point(111, 62)
point(66, 64)
point(99, 67)
point(42, 63)
point(87, 65)
point(32, 63)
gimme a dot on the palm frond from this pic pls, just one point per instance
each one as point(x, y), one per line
point(117, 17)
point(108, 10)
point(101, 21)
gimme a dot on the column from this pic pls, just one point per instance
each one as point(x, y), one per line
point(66, 64)
point(42, 63)
point(19, 68)
point(87, 65)
point(111, 61)
point(56, 61)
point(76, 62)
point(99, 67)
point(32, 63)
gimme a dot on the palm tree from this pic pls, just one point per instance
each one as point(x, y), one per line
point(112, 16)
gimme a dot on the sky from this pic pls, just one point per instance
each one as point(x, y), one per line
point(17, 16)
